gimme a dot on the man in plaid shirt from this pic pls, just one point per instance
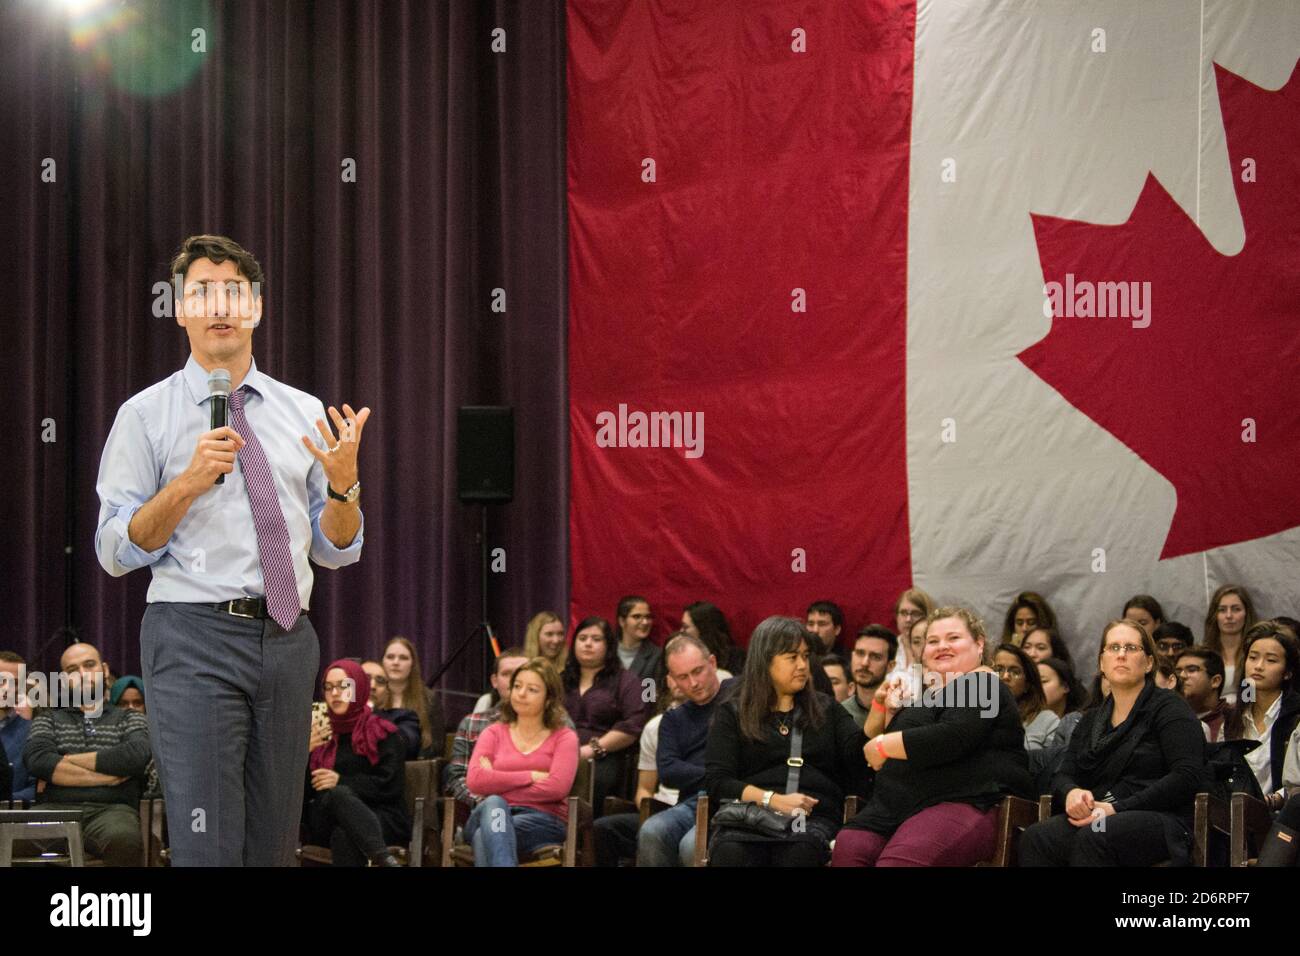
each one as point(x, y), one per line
point(462, 747)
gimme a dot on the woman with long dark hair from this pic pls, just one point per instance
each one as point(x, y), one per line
point(750, 748)
point(1028, 612)
point(709, 624)
point(1271, 711)
point(606, 704)
point(1230, 615)
point(1020, 673)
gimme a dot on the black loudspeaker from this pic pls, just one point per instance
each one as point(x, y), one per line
point(485, 453)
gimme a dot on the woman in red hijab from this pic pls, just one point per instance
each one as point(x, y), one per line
point(356, 775)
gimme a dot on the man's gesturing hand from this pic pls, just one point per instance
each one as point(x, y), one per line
point(340, 462)
point(214, 455)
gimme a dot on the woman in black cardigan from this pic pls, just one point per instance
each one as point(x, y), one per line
point(748, 750)
point(1133, 767)
point(356, 779)
point(947, 757)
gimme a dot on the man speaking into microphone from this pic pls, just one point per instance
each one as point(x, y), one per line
point(228, 655)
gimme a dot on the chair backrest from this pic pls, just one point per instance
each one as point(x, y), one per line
point(447, 743)
point(421, 781)
point(584, 781)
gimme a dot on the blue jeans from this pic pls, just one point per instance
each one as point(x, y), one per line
point(668, 837)
point(499, 832)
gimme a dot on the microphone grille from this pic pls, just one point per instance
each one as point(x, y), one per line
point(219, 382)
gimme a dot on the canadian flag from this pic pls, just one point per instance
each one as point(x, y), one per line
point(985, 297)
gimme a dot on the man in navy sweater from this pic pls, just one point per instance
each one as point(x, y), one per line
point(668, 837)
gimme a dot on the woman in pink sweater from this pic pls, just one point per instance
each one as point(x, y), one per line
point(525, 765)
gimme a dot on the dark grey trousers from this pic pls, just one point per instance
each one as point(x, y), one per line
point(229, 706)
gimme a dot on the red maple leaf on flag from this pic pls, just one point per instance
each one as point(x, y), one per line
point(1216, 365)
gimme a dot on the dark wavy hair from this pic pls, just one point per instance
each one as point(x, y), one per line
point(612, 665)
point(713, 628)
point(775, 636)
point(1074, 694)
point(1043, 613)
point(1234, 726)
point(1031, 701)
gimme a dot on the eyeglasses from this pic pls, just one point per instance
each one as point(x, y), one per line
point(1169, 647)
point(911, 614)
point(1189, 669)
point(379, 681)
point(1114, 649)
point(331, 688)
point(1003, 671)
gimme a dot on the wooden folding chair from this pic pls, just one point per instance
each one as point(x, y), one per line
point(421, 792)
point(1015, 815)
point(578, 848)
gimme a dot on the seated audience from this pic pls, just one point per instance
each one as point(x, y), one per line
point(615, 834)
point(943, 763)
point(636, 652)
point(1044, 642)
point(93, 764)
point(668, 838)
point(1230, 615)
point(1145, 610)
point(705, 621)
point(524, 765)
point(354, 802)
point(749, 748)
point(1201, 670)
point(473, 725)
point(606, 704)
point(1015, 668)
point(1129, 776)
point(1028, 612)
point(406, 691)
point(1172, 638)
point(873, 651)
point(824, 621)
point(15, 725)
point(838, 675)
point(1268, 706)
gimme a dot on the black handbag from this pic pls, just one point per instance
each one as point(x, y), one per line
point(755, 818)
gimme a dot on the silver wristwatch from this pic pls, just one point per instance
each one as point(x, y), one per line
point(767, 799)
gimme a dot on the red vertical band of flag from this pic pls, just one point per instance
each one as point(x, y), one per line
point(777, 134)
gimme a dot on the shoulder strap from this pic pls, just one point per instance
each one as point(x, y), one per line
point(795, 761)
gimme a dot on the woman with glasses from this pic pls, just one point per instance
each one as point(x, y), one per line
point(356, 775)
point(636, 652)
point(1019, 672)
point(1128, 779)
point(912, 608)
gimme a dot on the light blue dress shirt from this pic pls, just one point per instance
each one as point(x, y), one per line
point(212, 555)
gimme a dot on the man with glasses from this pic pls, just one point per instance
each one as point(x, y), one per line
point(92, 757)
point(1202, 672)
point(1172, 639)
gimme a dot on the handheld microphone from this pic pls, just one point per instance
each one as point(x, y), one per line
point(219, 389)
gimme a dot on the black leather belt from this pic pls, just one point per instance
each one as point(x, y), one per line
point(244, 607)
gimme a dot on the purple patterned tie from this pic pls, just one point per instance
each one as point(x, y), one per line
point(282, 600)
